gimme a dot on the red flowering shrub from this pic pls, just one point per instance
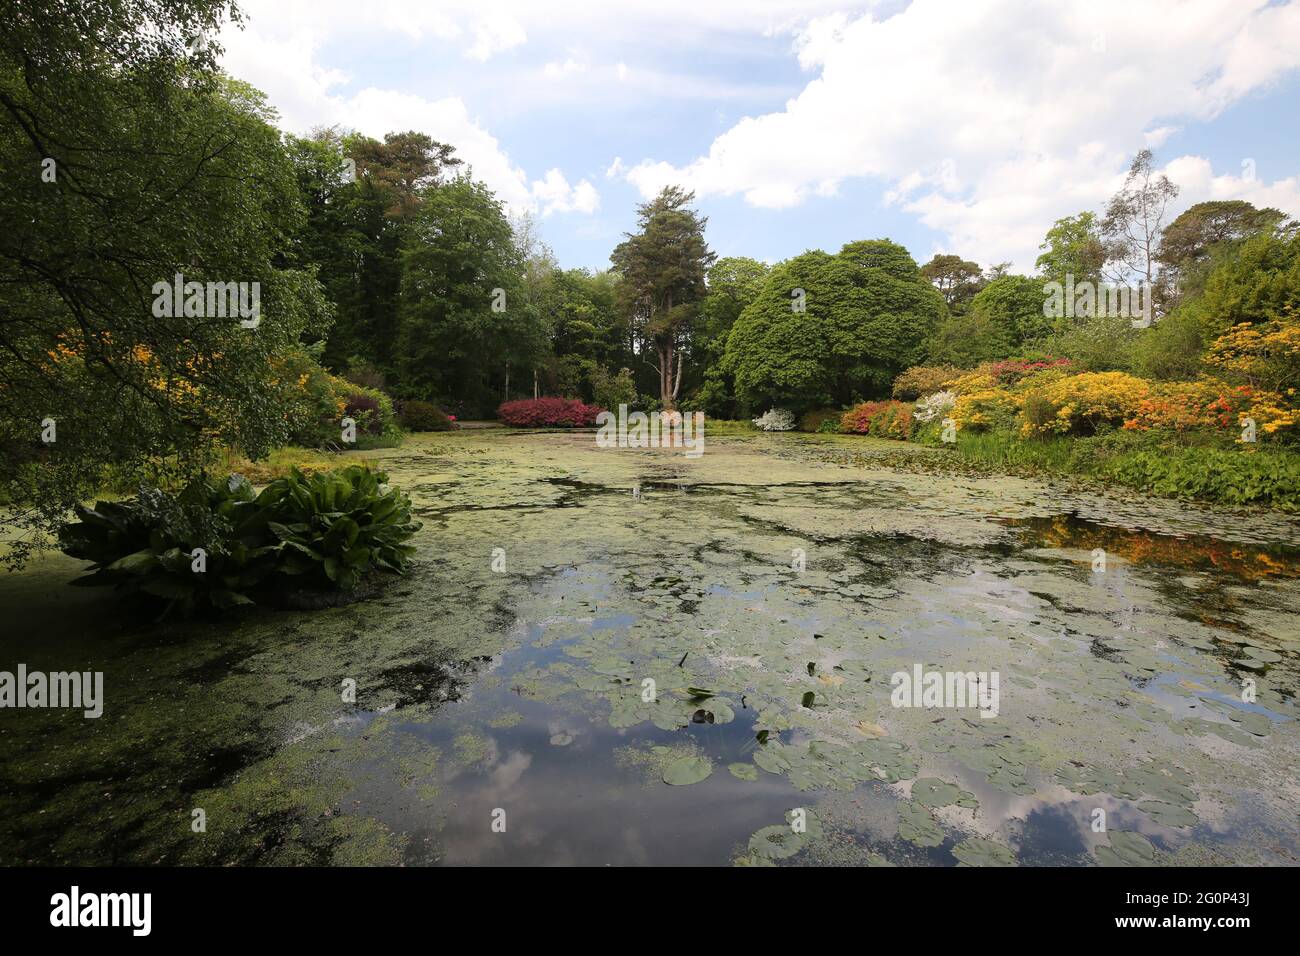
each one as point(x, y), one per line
point(882, 419)
point(548, 413)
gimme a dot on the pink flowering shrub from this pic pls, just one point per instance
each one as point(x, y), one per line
point(548, 413)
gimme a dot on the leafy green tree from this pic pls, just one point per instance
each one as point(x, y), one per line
point(464, 318)
point(957, 280)
point(1190, 244)
point(1073, 247)
point(832, 329)
point(734, 282)
point(1255, 281)
point(966, 340)
point(663, 267)
point(1015, 305)
point(357, 225)
point(126, 159)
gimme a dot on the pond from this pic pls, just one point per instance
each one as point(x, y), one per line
point(614, 656)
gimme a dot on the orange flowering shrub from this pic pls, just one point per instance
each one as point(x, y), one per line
point(881, 419)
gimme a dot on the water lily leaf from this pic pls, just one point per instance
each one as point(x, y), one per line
point(916, 825)
point(1168, 814)
point(776, 843)
point(1126, 849)
point(978, 851)
point(743, 771)
point(687, 770)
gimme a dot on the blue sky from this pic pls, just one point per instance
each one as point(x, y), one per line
point(947, 127)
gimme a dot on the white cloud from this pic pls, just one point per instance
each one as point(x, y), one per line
point(554, 194)
point(988, 121)
point(615, 168)
point(494, 35)
point(570, 65)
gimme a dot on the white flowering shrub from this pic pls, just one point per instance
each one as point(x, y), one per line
point(775, 420)
point(934, 406)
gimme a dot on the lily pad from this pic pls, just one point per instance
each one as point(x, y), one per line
point(1126, 849)
point(687, 770)
point(776, 843)
point(743, 771)
point(978, 851)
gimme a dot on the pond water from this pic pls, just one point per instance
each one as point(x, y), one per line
point(768, 591)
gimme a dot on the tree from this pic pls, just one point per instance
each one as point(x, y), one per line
point(1201, 233)
point(663, 267)
point(1014, 304)
point(734, 282)
point(1256, 281)
point(1133, 220)
point(462, 299)
point(127, 159)
point(866, 315)
point(967, 340)
point(1073, 247)
point(957, 280)
point(355, 230)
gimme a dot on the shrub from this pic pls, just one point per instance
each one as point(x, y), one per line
point(985, 408)
point(327, 531)
point(934, 407)
point(775, 420)
point(424, 417)
point(812, 421)
point(924, 380)
point(893, 420)
point(318, 401)
point(364, 410)
point(883, 419)
point(611, 391)
point(1080, 404)
point(548, 413)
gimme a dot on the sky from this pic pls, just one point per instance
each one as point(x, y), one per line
point(950, 126)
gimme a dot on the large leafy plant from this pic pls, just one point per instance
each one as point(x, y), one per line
point(218, 544)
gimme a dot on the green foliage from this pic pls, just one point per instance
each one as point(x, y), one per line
point(326, 531)
point(610, 391)
point(1203, 234)
point(1015, 305)
point(460, 249)
point(1096, 344)
point(663, 266)
point(1230, 477)
point(814, 420)
point(967, 340)
point(868, 314)
point(1073, 247)
point(421, 416)
point(1170, 350)
point(957, 280)
point(160, 166)
point(1253, 282)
